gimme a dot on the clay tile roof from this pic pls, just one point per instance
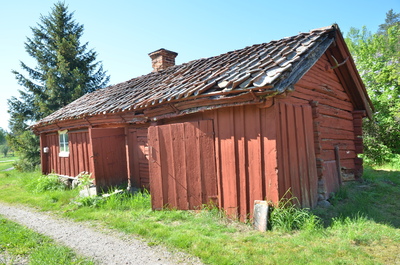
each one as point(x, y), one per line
point(271, 67)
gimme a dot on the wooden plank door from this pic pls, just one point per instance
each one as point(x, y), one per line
point(296, 154)
point(182, 165)
point(109, 157)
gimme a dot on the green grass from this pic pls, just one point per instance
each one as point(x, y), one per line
point(8, 157)
point(17, 242)
point(362, 226)
point(377, 197)
point(6, 165)
point(7, 162)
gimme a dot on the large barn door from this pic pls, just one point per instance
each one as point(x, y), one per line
point(109, 157)
point(296, 154)
point(182, 165)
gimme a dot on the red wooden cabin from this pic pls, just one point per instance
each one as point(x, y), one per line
point(242, 126)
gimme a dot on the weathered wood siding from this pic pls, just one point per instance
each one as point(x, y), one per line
point(296, 155)
point(332, 121)
point(75, 163)
point(108, 157)
point(244, 140)
point(182, 165)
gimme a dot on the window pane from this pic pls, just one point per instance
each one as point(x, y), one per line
point(63, 138)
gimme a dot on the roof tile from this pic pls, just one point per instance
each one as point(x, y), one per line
point(239, 71)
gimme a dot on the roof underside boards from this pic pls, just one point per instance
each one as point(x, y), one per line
point(262, 70)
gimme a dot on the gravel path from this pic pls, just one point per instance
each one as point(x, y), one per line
point(8, 169)
point(104, 247)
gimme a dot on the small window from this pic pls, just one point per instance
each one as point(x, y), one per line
point(64, 146)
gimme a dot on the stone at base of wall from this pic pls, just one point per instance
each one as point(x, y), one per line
point(88, 191)
point(324, 204)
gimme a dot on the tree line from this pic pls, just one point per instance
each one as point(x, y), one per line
point(377, 57)
point(66, 69)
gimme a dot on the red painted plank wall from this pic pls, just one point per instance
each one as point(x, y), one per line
point(296, 154)
point(78, 159)
point(244, 158)
point(182, 165)
point(245, 140)
point(109, 157)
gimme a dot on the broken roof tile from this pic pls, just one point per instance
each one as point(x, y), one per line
point(238, 71)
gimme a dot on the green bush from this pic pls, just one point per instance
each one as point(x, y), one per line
point(46, 183)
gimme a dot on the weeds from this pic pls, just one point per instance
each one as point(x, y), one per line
point(339, 196)
point(119, 200)
point(287, 216)
point(89, 201)
point(46, 183)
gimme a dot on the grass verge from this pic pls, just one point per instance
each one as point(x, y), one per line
point(7, 162)
point(360, 228)
point(19, 245)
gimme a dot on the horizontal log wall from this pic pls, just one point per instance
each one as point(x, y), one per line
point(335, 111)
point(333, 119)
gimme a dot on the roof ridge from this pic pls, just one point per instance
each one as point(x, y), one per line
point(258, 67)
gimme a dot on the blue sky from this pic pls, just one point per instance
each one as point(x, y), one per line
point(123, 32)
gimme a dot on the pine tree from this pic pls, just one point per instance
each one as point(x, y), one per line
point(391, 20)
point(65, 71)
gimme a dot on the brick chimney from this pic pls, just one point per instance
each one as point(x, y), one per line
point(162, 59)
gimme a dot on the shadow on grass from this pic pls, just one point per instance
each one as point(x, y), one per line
point(376, 197)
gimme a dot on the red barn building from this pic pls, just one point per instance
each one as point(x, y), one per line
point(242, 126)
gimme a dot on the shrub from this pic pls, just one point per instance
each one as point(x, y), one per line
point(46, 183)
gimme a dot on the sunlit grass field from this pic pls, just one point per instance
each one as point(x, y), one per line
point(361, 227)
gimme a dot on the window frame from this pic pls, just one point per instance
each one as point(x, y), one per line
point(63, 141)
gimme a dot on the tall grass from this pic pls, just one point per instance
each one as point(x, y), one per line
point(287, 216)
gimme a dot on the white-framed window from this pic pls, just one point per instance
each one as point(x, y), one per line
point(64, 145)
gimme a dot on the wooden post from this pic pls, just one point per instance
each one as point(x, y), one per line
point(128, 160)
point(338, 166)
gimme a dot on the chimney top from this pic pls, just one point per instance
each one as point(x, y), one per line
point(161, 59)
